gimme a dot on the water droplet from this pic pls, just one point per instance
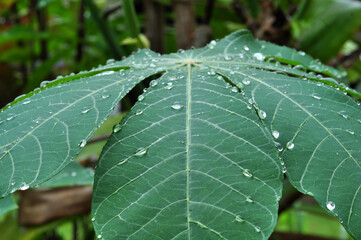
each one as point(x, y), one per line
point(343, 114)
point(93, 219)
point(249, 200)
point(279, 146)
point(85, 110)
point(262, 114)
point(24, 187)
point(300, 67)
point(245, 47)
point(350, 132)
point(10, 116)
point(110, 61)
point(259, 56)
point(139, 112)
point(314, 95)
point(239, 219)
point(117, 128)
point(258, 229)
point(12, 183)
point(140, 152)
point(73, 174)
point(82, 143)
point(330, 205)
point(234, 89)
point(227, 58)
point(26, 101)
point(284, 170)
point(290, 145)
point(302, 53)
point(177, 106)
point(247, 173)
point(99, 236)
point(44, 83)
point(246, 81)
point(140, 98)
point(105, 73)
point(212, 44)
point(105, 96)
point(212, 72)
point(153, 83)
point(275, 134)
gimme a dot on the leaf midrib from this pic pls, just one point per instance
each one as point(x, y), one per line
point(188, 129)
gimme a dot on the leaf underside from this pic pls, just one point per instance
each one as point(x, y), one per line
point(201, 154)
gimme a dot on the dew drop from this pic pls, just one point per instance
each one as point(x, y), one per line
point(105, 96)
point(212, 44)
point(234, 89)
point(140, 98)
point(27, 101)
point(245, 47)
point(93, 219)
point(85, 110)
point(262, 114)
point(82, 143)
point(258, 229)
point(330, 205)
point(44, 83)
point(239, 219)
point(302, 53)
point(11, 116)
point(117, 128)
point(300, 67)
point(246, 81)
point(343, 114)
point(177, 106)
point(105, 73)
point(290, 145)
point(139, 112)
point(314, 95)
point(227, 58)
point(284, 170)
point(350, 132)
point(247, 173)
point(110, 61)
point(249, 200)
point(140, 152)
point(99, 236)
point(153, 83)
point(279, 146)
point(275, 134)
point(259, 56)
point(24, 187)
point(73, 174)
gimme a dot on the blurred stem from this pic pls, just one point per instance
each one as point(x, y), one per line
point(155, 24)
point(105, 31)
point(290, 195)
point(131, 20)
point(42, 25)
point(81, 32)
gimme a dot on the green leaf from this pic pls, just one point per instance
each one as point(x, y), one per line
point(202, 154)
point(41, 132)
point(326, 25)
point(72, 175)
point(7, 204)
point(196, 157)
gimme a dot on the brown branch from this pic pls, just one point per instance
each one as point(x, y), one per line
point(81, 32)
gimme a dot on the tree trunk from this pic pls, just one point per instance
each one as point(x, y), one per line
point(155, 25)
point(184, 22)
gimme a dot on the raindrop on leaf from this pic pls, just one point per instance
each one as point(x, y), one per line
point(330, 205)
point(140, 152)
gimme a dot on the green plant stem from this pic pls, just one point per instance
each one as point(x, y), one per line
point(131, 20)
point(105, 30)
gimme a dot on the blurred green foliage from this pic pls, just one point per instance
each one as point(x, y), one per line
point(81, 34)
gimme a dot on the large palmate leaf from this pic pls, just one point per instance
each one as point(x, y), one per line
point(202, 153)
point(198, 157)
